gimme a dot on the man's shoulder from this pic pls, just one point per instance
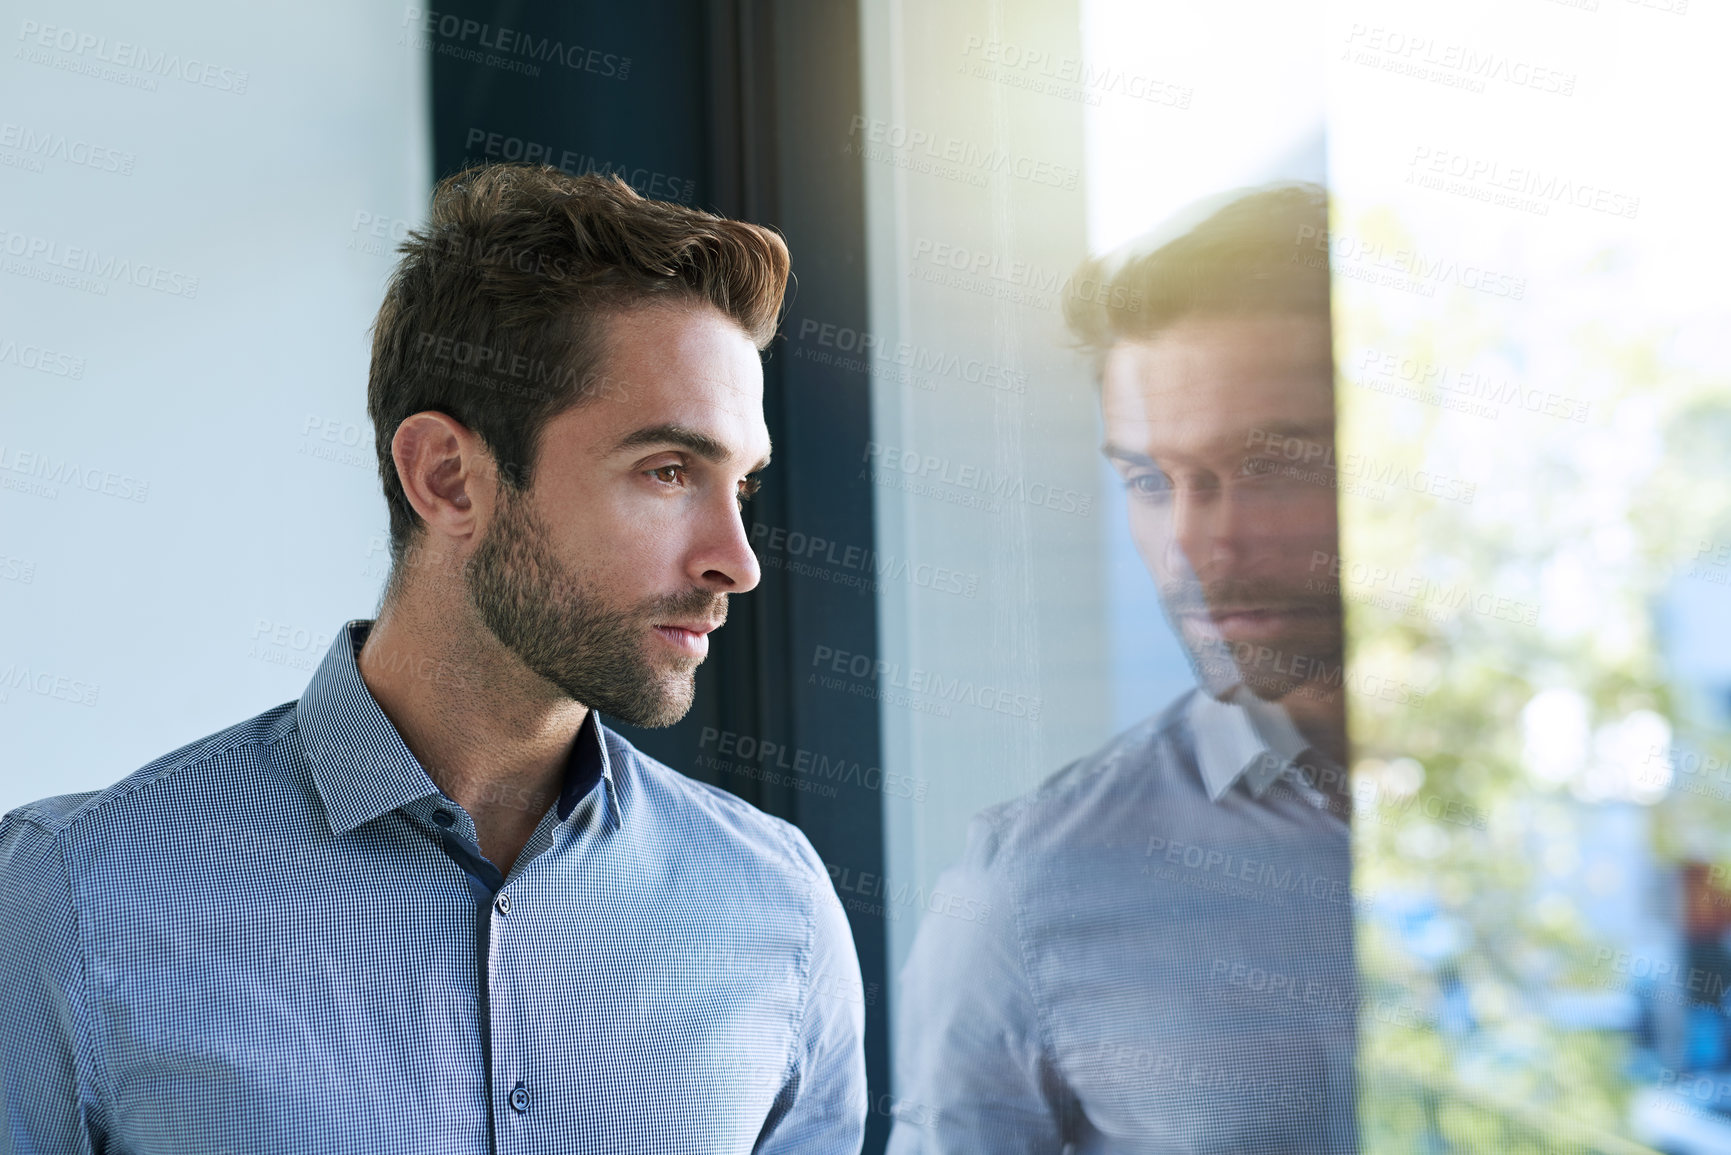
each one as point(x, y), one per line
point(707, 819)
point(233, 750)
point(1087, 796)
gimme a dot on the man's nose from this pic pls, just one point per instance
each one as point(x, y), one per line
point(724, 560)
point(1210, 525)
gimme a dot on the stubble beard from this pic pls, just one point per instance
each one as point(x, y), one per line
point(1273, 669)
point(552, 619)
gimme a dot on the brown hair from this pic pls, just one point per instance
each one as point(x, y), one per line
point(1264, 251)
point(494, 315)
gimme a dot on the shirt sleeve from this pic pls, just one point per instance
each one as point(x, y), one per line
point(47, 1108)
point(821, 1108)
point(973, 1072)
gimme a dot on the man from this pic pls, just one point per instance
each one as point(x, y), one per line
point(435, 904)
point(1168, 966)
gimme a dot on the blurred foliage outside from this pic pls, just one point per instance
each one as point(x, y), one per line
point(1544, 575)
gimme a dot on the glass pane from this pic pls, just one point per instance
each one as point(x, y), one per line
point(1432, 461)
point(1119, 905)
point(1531, 335)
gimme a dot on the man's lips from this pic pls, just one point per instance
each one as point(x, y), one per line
point(698, 628)
point(692, 637)
point(1253, 623)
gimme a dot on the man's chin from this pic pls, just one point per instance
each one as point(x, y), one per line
point(666, 707)
point(1271, 669)
point(670, 715)
point(1268, 687)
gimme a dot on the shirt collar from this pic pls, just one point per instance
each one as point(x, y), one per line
point(361, 767)
point(588, 764)
point(1242, 736)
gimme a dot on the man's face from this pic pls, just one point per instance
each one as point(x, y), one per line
point(1223, 430)
point(606, 574)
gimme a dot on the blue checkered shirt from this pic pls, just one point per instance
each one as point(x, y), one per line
point(1164, 966)
point(283, 938)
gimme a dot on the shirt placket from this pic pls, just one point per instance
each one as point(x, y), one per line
point(510, 1095)
point(486, 884)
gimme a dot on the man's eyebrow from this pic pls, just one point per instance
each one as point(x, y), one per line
point(1296, 430)
point(1119, 453)
point(685, 437)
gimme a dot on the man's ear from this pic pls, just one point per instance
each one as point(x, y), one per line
point(447, 473)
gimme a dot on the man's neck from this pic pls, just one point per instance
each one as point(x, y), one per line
point(491, 734)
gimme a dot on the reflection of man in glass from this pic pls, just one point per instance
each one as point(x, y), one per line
point(1168, 963)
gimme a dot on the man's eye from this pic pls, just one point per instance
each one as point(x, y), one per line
point(1148, 484)
point(748, 489)
point(671, 474)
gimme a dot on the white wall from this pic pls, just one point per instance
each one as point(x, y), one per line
point(172, 553)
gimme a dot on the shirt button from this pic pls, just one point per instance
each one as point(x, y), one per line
point(519, 1098)
point(503, 902)
point(444, 818)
